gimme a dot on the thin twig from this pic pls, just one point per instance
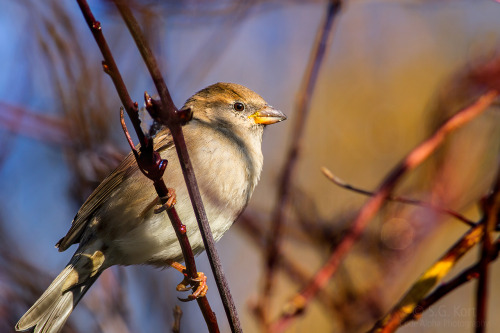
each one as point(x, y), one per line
point(293, 269)
point(39, 126)
point(172, 118)
point(168, 113)
point(445, 288)
point(180, 229)
point(491, 209)
point(302, 111)
point(373, 205)
point(337, 181)
point(127, 134)
point(176, 326)
point(427, 281)
point(149, 161)
point(110, 67)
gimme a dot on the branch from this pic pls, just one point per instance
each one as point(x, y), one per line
point(491, 209)
point(445, 288)
point(373, 205)
point(110, 67)
point(427, 281)
point(410, 305)
point(149, 161)
point(283, 200)
point(176, 327)
point(290, 267)
point(38, 126)
point(169, 116)
point(337, 181)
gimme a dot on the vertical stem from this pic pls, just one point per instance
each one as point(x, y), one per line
point(304, 100)
point(169, 116)
point(373, 205)
point(491, 207)
point(149, 160)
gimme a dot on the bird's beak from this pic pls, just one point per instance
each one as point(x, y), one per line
point(267, 116)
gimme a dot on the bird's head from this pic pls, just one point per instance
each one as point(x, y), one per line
point(231, 106)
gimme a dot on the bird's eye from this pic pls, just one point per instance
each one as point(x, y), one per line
point(238, 106)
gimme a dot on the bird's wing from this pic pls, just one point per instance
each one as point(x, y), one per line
point(126, 168)
point(94, 201)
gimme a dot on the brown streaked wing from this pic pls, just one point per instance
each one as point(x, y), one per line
point(102, 192)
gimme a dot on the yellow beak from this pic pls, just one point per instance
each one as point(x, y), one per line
point(267, 116)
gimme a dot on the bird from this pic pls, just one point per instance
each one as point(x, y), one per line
point(117, 224)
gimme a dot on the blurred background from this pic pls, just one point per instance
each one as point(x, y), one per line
point(393, 72)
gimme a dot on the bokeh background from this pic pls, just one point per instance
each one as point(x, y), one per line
point(393, 71)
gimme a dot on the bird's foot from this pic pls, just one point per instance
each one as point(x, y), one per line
point(188, 283)
point(171, 199)
point(200, 282)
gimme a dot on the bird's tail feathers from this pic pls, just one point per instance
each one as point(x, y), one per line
point(52, 309)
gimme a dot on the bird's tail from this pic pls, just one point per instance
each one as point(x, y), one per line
point(52, 309)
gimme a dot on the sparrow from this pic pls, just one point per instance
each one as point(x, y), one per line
point(117, 225)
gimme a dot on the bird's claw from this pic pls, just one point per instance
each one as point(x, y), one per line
point(187, 284)
point(171, 200)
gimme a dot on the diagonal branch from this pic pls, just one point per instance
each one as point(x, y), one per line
point(148, 160)
point(110, 67)
point(427, 281)
point(172, 118)
point(283, 200)
point(42, 127)
point(373, 205)
point(491, 209)
point(445, 288)
point(339, 182)
point(409, 306)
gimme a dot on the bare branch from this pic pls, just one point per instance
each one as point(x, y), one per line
point(373, 205)
point(408, 306)
point(491, 209)
point(149, 161)
point(171, 117)
point(176, 327)
point(337, 181)
point(42, 127)
point(283, 200)
point(445, 288)
point(428, 280)
point(110, 67)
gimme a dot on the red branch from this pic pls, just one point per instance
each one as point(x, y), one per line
point(373, 205)
point(399, 315)
point(445, 288)
point(337, 181)
point(282, 203)
point(149, 161)
point(49, 129)
point(491, 208)
point(172, 118)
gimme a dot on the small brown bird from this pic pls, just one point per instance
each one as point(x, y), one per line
point(117, 224)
